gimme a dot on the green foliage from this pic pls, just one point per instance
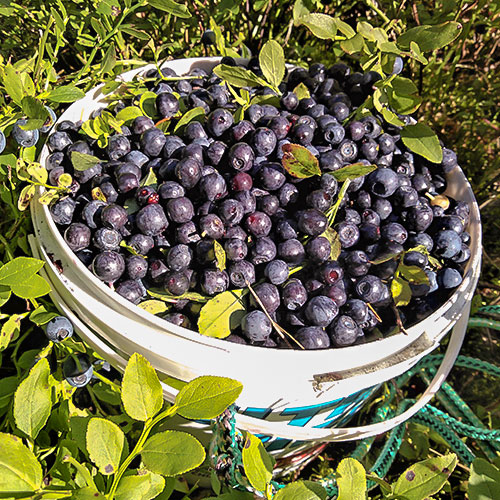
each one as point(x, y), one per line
point(55, 50)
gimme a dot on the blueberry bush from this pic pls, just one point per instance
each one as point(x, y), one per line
point(428, 71)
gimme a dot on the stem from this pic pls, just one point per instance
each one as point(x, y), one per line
point(102, 378)
point(332, 212)
point(115, 30)
point(373, 6)
point(41, 49)
point(148, 426)
point(82, 470)
point(8, 250)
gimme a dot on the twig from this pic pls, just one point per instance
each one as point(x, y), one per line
point(280, 330)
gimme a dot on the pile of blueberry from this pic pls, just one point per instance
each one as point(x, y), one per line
point(223, 181)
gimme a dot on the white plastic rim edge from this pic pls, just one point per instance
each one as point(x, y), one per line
point(283, 430)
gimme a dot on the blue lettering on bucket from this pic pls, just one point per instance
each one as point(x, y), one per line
point(261, 413)
point(304, 414)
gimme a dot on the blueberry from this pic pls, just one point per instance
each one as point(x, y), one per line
point(219, 121)
point(152, 142)
point(420, 217)
point(397, 66)
point(213, 187)
point(141, 124)
point(242, 129)
point(77, 370)
point(108, 266)
point(179, 257)
point(269, 297)
point(235, 249)
point(313, 337)
point(231, 212)
point(59, 329)
point(131, 290)
point(321, 310)
point(289, 101)
point(176, 283)
point(62, 211)
point(447, 244)
point(288, 194)
point(348, 150)
point(167, 105)
point(214, 281)
point(241, 156)
point(449, 278)
point(25, 138)
point(294, 295)
point(263, 141)
point(370, 288)
point(188, 172)
point(258, 223)
point(107, 239)
point(240, 272)
point(392, 231)
point(415, 259)
point(319, 199)
point(58, 141)
point(137, 267)
point(344, 331)
point(318, 249)
point(330, 273)
point(264, 250)
point(337, 294)
point(383, 182)
point(256, 326)
point(254, 113)
point(118, 146)
point(180, 210)
point(276, 271)
point(348, 234)
point(292, 251)
point(215, 152)
point(303, 133)
point(312, 222)
point(77, 236)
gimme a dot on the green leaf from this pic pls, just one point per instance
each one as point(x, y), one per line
point(431, 37)
point(238, 76)
point(301, 91)
point(258, 464)
point(220, 256)
point(220, 313)
point(143, 486)
point(425, 478)
point(413, 274)
point(19, 468)
point(171, 453)
point(352, 171)
point(83, 161)
point(35, 111)
point(147, 103)
point(142, 394)
point(351, 480)
point(353, 45)
point(4, 294)
point(168, 297)
point(400, 291)
point(206, 397)
point(105, 442)
point(37, 172)
point(65, 93)
point(272, 62)
point(109, 59)
point(299, 162)
point(332, 212)
point(386, 257)
point(141, 35)
point(301, 490)
point(19, 270)
point(331, 235)
point(321, 25)
point(35, 287)
point(484, 481)
point(422, 140)
point(193, 114)
point(87, 493)
point(10, 329)
point(13, 84)
point(154, 306)
point(417, 53)
point(128, 114)
point(150, 179)
point(25, 197)
point(171, 7)
point(299, 11)
point(32, 400)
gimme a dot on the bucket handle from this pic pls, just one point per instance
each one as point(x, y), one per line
point(283, 430)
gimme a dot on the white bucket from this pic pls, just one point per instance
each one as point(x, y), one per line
point(287, 399)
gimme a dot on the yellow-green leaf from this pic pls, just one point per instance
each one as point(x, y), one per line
point(299, 162)
point(351, 480)
point(105, 442)
point(32, 400)
point(272, 62)
point(222, 313)
point(258, 464)
point(220, 256)
point(154, 306)
point(422, 140)
point(142, 394)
